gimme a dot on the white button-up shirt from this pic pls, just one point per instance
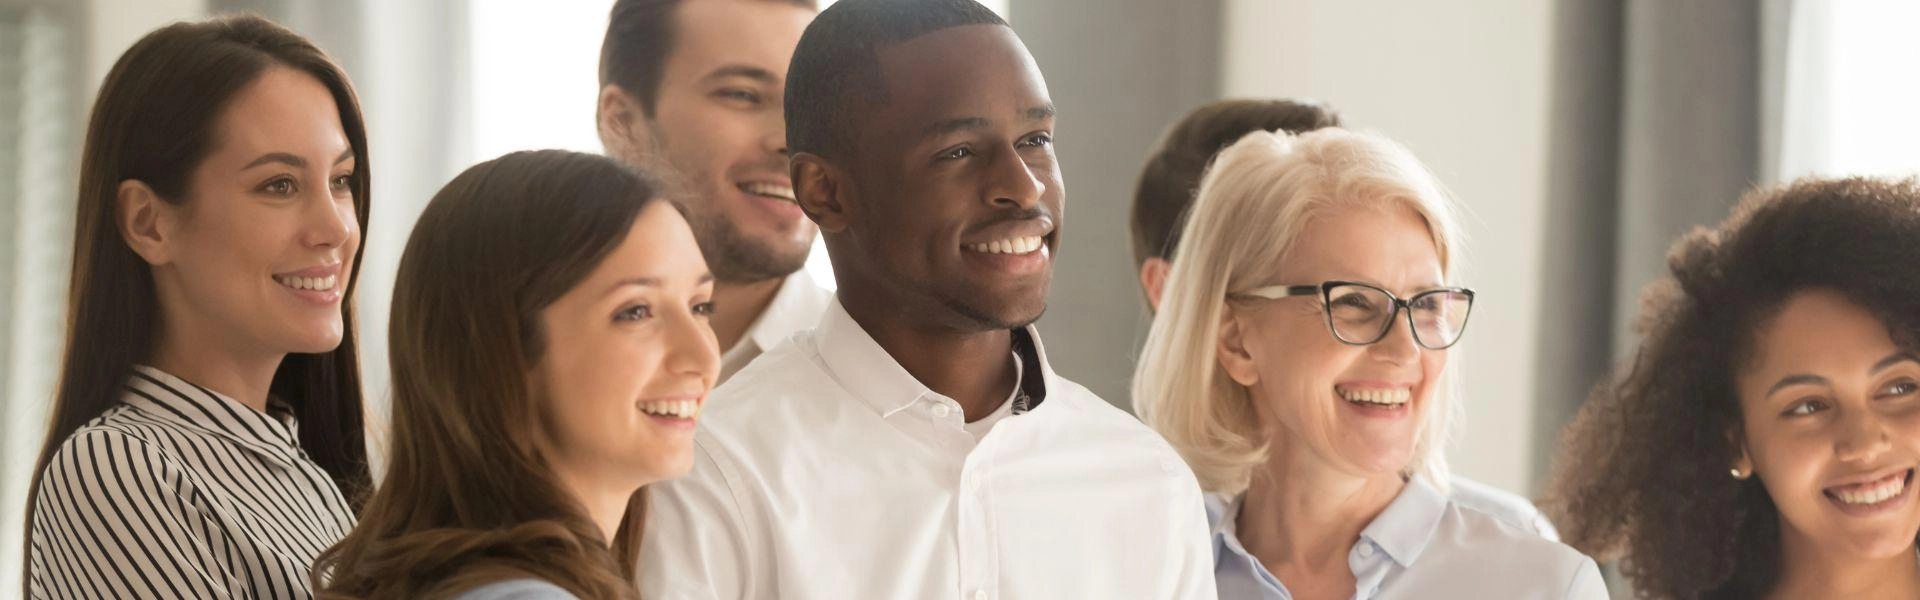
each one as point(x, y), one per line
point(1427, 545)
point(796, 307)
point(825, 470)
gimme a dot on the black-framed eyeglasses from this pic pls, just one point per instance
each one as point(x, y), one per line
point(1359, 314)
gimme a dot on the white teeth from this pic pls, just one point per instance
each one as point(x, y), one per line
point(1875, 493)
point(1019, 245)
point(308, 283)
point(1392, 397)
point(768, 189)
point(682, 409)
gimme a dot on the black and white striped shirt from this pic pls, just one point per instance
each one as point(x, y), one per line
point(180, 492)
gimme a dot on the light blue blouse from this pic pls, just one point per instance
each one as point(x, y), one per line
point(1425, 545)
point(517, 589)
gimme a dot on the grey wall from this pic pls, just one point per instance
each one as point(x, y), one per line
point(1120, 71)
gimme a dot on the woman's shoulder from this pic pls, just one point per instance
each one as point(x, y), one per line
point(1473, 540)
point(517, 589)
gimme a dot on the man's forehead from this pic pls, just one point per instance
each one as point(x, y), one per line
point(959, 71)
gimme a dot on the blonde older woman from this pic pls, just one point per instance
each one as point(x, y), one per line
point(1299, 364)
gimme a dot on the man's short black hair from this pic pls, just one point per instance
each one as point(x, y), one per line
point(640, 36)
point(1173, 170)
point(837, 62)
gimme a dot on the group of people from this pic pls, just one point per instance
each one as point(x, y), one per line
point(611, 379)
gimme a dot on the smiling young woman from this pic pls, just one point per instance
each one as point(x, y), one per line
point(1763, 441)
point(206, 438)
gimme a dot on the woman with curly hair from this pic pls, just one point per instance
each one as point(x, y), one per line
point(550, 352)
point(1763, 441)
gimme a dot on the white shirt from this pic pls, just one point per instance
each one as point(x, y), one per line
point(825, 471)
point(796, 307)
point(1424, 545)
point(180, 492)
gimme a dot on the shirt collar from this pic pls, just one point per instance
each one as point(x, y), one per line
point(1403, 530)
point(185, 404)
point(865, 369)
point(1407, 525)
point(795, 307)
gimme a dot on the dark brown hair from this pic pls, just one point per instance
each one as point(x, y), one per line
point(640, 36)
point(836, 68)
point(467, 497)
point(1173, 169)
point(154, 121)
point(1643, 470)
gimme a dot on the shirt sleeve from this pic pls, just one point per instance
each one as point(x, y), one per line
point(517, 589)
point(115, 518)
point(698, 542)
point(1586, 583)
point(1195, 542)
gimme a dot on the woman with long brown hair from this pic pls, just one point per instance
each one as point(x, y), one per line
point(206, 435)
point(550, 351)
point(1762, 443)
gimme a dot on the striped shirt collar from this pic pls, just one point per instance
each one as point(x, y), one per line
point(180, 402)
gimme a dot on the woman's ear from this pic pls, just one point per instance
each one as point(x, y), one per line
point(1742, 461)
point(816, 188)
point(146, 222)
point(1231, 350)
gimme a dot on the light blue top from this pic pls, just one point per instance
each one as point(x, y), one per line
point(1426, 545)
point(517, 589)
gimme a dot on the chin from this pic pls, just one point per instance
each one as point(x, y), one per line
point(316, 342)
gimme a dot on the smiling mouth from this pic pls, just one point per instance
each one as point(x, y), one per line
point(772, 191)
point(1380, 397)
point(1872, 493)
point(1013, 245)
point(312, 284)
point(672, 409)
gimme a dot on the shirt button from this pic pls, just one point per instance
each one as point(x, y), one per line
point(973, 481)
point(941, 410)
point(979, 595)
point(1366, 550)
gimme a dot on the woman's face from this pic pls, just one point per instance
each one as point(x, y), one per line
point(257, 256)
point(1831, 409)
point(629, 357)
point(1355, 408)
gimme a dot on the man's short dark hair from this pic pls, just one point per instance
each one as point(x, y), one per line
point(1173, 170)
point(837, 62)
point(640, 35)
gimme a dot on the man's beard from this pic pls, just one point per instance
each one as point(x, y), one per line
point(735, 257)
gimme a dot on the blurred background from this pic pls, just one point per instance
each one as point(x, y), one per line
point(1581, 136)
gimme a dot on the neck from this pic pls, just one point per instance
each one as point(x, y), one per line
point(1809, 572)
point(245, 376)
point(1301, 516)
point(604, 500)
point(974, 368)
point(740, 306)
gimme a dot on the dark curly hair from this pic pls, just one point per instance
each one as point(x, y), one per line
point(1643, 471)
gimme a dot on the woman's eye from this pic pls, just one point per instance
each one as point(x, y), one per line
point(1904, 387)
point(343, 183)
point(1804, 408)
point(704, 309)
point(634, 313)
point(279, 187)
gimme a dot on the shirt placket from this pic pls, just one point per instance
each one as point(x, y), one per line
point(979, 555)
point(1369, 564)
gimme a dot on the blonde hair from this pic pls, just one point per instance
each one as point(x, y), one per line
point(1252, 205)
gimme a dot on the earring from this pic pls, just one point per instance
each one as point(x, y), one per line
point(1738, 474)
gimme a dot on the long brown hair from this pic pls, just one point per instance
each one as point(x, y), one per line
point(154, 121)
point(1642, 471)
point(468, 498)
